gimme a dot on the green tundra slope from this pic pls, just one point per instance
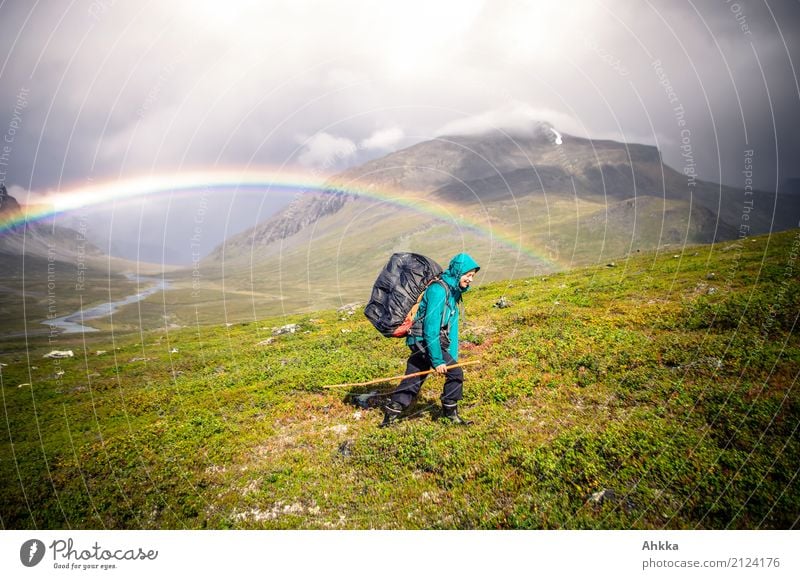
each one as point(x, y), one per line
point(656, 392)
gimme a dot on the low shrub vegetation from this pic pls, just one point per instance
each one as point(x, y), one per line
point(659, 393)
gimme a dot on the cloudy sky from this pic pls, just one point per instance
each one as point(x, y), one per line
point(109, 89)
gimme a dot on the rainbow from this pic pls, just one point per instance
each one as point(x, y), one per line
point(186, 183)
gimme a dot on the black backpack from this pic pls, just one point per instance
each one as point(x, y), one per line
point(397, 292)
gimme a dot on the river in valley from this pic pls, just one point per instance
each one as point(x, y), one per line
point(73, 323)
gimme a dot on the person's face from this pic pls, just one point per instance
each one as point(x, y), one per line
point(466, 279)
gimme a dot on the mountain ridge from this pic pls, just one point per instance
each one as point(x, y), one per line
point(522, 206)
point(476, 168)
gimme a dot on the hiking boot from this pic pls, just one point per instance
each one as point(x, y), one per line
point(391, 412)
point(450, 412)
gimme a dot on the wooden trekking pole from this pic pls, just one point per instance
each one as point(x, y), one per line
point(402, 376)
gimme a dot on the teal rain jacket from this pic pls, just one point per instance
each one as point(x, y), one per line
point(437, 315)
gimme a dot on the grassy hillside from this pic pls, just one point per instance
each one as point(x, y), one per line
point(657, 392)
point(323, 266)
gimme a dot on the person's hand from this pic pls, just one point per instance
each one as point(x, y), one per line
point(441, 369)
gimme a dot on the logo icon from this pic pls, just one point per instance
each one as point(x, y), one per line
point(31, 553)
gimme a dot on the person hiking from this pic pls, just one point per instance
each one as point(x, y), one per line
point(433, 341)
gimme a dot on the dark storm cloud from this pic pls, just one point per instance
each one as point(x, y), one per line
point(752, 104)
point(120, 88)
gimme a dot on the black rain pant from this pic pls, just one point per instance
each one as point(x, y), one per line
point(408, 389)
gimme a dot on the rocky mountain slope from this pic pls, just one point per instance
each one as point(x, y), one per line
point(521, 205)
point(38, 239)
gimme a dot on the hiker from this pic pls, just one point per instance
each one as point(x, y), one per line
point(433, 341)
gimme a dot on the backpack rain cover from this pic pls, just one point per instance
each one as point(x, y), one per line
point(397, 290)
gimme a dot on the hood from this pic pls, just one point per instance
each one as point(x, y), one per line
point(459, 265)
